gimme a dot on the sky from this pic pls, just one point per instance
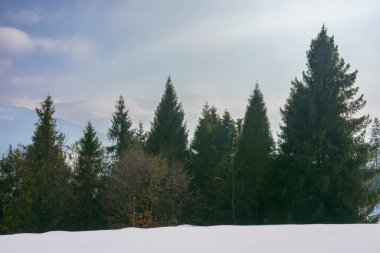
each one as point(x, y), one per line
point(85, 54)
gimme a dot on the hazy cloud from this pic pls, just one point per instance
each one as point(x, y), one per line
point(25, 102)
point(13, 40)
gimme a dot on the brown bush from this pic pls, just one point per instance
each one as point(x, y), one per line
point(145, 191)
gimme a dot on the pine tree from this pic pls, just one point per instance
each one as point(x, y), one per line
point(49, 173)
point(322, 147)
point(375, 143)
point(89, 181)
point(168, 134)
point(120, 133)
point(252, 161)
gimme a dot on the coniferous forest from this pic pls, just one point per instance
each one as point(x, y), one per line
point(320, 170)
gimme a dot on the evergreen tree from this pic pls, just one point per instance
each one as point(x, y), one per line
point(120, 133)
point(210, 165)
point(375, 143)
point(204, 159)
point(252, 161)
point(227, 140)
point(49, 173)
point(168, 134)
point(14, 198)
point(322, 147)
point(140, 135)
point(89, 181)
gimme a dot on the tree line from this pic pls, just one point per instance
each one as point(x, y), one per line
point(321, 170)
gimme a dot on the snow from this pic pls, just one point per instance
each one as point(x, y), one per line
point(220, 239)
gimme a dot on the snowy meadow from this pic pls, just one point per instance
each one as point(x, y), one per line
point(280, 238)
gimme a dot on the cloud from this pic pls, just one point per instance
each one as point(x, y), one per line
point(15, 41)
point(99, 111)
point(23, 17)
point(24, 102)
point(21, 102)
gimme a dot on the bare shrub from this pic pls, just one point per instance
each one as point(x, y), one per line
point(145, 191)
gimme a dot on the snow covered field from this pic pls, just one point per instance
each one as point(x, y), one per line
point(285, 238)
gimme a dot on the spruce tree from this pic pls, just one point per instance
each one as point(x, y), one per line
point(168, 134)
point(210, 165)
point(120, 133)
point(252, 161)
point(88, 181)
point(140, 135)
point(322, 147)
point(49, 173)
point(226, 191)
point(14, 198)
point(204, 159)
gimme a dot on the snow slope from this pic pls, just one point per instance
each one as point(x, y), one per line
point(220, 239)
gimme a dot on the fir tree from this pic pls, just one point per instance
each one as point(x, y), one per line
point(120, 133)
point(89, 181)
point(49, 174)
point(168, 134)
point(252, 161)
point(322, 147)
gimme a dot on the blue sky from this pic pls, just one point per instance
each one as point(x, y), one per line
point(87, 53)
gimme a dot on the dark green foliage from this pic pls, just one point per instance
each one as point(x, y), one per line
point(322, 147)
point(120, 133)
point(211, 167)
point(14, 202)
point(168, 134)
point(252, 162)
point(47, 173)
point(89, 181)
point(140, 136)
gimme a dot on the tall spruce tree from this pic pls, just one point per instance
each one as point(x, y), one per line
point(120, 133)
point(204, 159)
point(252, 161)
point(88, 181)
point(49, 174)
point(322, 147)
point(210, 165)
point(226, 191)
point(168, 134)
